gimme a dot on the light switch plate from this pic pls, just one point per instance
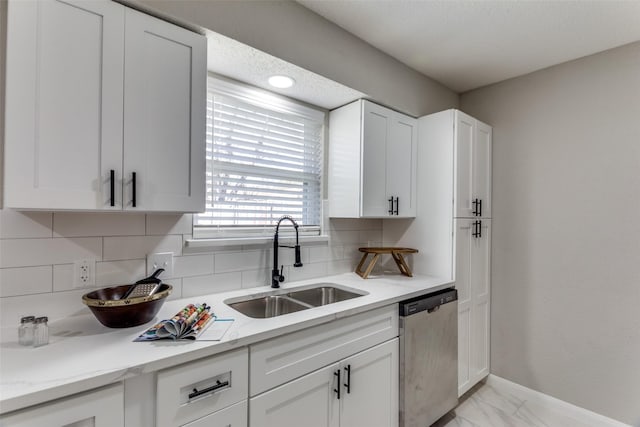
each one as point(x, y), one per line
point(160, 260)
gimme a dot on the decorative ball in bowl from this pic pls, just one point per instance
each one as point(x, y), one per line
point(114, 312)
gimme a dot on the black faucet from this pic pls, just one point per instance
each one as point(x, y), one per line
point(276, 275)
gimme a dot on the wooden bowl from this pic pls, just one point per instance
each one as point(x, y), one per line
point(114, 312)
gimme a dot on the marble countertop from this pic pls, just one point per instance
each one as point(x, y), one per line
point(83, 354)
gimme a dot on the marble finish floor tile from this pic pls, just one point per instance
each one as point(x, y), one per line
point(488, 405)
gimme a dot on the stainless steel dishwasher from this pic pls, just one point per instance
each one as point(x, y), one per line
point(428, 357)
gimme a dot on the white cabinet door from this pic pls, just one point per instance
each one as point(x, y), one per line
point(101, 408)
point(307, 401)
point(473, 167)
point(376, 127)
point(372, 162)
point(481, 297)
point(473, 245)
point(369, 395)
point(164, 116)
point(463, 285)
point(401, 154)
point(482, 168)
point(232, 416)
point(64, 104)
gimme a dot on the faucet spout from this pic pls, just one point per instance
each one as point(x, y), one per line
point(276, 274)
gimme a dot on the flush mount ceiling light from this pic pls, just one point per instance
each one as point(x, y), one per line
point(281, 82)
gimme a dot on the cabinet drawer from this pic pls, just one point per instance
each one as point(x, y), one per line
point(282, 359)
point(191, 391)
point(100, 408)
point(233, 416)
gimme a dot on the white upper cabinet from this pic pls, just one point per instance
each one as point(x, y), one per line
point(473, 167)
point(372, 162)
point(164, 110)
point(86, 106)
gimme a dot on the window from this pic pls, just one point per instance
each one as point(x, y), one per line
point(264, 160)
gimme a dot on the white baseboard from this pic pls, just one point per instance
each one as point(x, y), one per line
point(580, 414)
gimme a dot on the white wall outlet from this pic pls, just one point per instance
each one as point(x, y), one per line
point(160, 260)
point(84, 273)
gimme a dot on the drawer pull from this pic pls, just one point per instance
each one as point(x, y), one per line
point(218, 385)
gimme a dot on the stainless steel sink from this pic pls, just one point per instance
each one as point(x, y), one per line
point(284, 302)
point(323, 295)
point(269, 306)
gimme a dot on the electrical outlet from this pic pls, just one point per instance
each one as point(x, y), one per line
point(160, 260)
point(84, 273)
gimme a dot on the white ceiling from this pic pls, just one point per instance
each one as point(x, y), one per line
point(233, 59)
point(469, 44)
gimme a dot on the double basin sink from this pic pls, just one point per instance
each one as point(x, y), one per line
point(285, 301)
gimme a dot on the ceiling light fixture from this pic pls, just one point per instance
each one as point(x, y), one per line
point(281, 82)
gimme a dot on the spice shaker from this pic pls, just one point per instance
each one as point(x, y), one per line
point(25, 330)
point(41, 332)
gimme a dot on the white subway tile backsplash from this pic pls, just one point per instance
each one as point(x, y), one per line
point(80, 224)
point(253, 278)
point(35, 252)
point(21, 225)
point(161, 224)
point(325, 253)
point(340, 266)
point(55, 305)
point(136, 247)
point(193, 265)
point(307, 271)
point(25, 281)
point(337, 238)
point(238, 261)
point(38, 249)
point(370, 237)
point(210, 284)
point(63, 277)
point(112, 273)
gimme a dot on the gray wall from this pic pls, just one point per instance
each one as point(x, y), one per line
point(566, 230)
point(295, 34)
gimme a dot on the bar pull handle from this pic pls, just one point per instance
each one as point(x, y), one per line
point(347, 369)
point(390, 206)
point(112, 186)
point(475, 207)
point(397, 205)
point(337, 389)
point(133, 189)
point(479, 229)
point(475, 229)
point(217, 386)
point(480, 207)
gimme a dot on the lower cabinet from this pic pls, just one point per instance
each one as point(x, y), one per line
point(100, 408)
point(473, 246)
point(361, 390)
point(202, 392)
point(233, 416)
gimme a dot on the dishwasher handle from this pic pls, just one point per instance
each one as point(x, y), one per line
point(429, 302)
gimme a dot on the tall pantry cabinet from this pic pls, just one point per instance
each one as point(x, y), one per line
point(454, 151)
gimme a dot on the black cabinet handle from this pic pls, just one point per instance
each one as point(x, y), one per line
point(480, 210)
point(397, 205)
point(477, 229)
point(133, 189)
point(390, 205)
point(337, 389)
point(218, 385)
point(475, 207)
point(112, 186)
point(348, 383)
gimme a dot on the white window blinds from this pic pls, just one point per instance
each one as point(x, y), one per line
point(264, 160)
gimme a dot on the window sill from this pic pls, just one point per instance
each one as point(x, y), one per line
point(241, 241)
